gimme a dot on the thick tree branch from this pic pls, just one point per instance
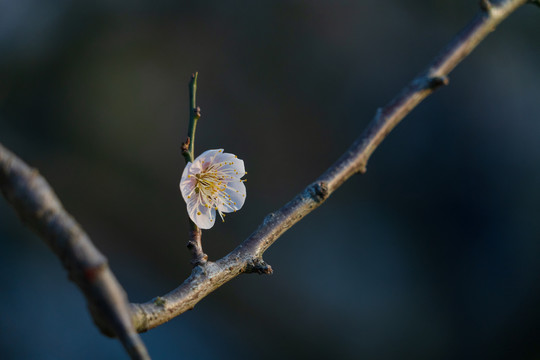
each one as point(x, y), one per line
point(247, 257)
point(39, 208)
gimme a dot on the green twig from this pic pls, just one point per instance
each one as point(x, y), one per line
point(194, 115)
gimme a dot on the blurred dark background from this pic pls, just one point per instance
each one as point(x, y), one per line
point(432, 254)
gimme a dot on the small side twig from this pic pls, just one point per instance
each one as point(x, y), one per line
point(198, 257)
point(39, 208)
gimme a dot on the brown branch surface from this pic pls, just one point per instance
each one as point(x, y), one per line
point(247, 257)
point(198, 257)
point(39, 208)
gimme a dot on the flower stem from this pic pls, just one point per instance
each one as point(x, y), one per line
point(194, 243)
point(194, 115)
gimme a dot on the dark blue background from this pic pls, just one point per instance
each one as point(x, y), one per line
point(431, 254)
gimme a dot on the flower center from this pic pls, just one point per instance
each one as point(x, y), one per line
point(211, 186)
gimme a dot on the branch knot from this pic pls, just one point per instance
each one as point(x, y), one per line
point(485, 5)
point(197, 113)
point(159, 301)
point(185, 150)
point(318, 191)
point(436, 82)
point(258, 266)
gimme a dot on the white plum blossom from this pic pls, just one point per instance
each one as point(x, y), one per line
point(213, 182)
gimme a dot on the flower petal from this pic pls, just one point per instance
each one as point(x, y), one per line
point(187, 183)
point(204, 217)
point(236, 190)
point(205, 159)
point(231, 161)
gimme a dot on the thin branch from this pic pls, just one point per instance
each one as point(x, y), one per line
point(194, 116)
point(247, 257)
point(198, 257)
point(39, 208)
